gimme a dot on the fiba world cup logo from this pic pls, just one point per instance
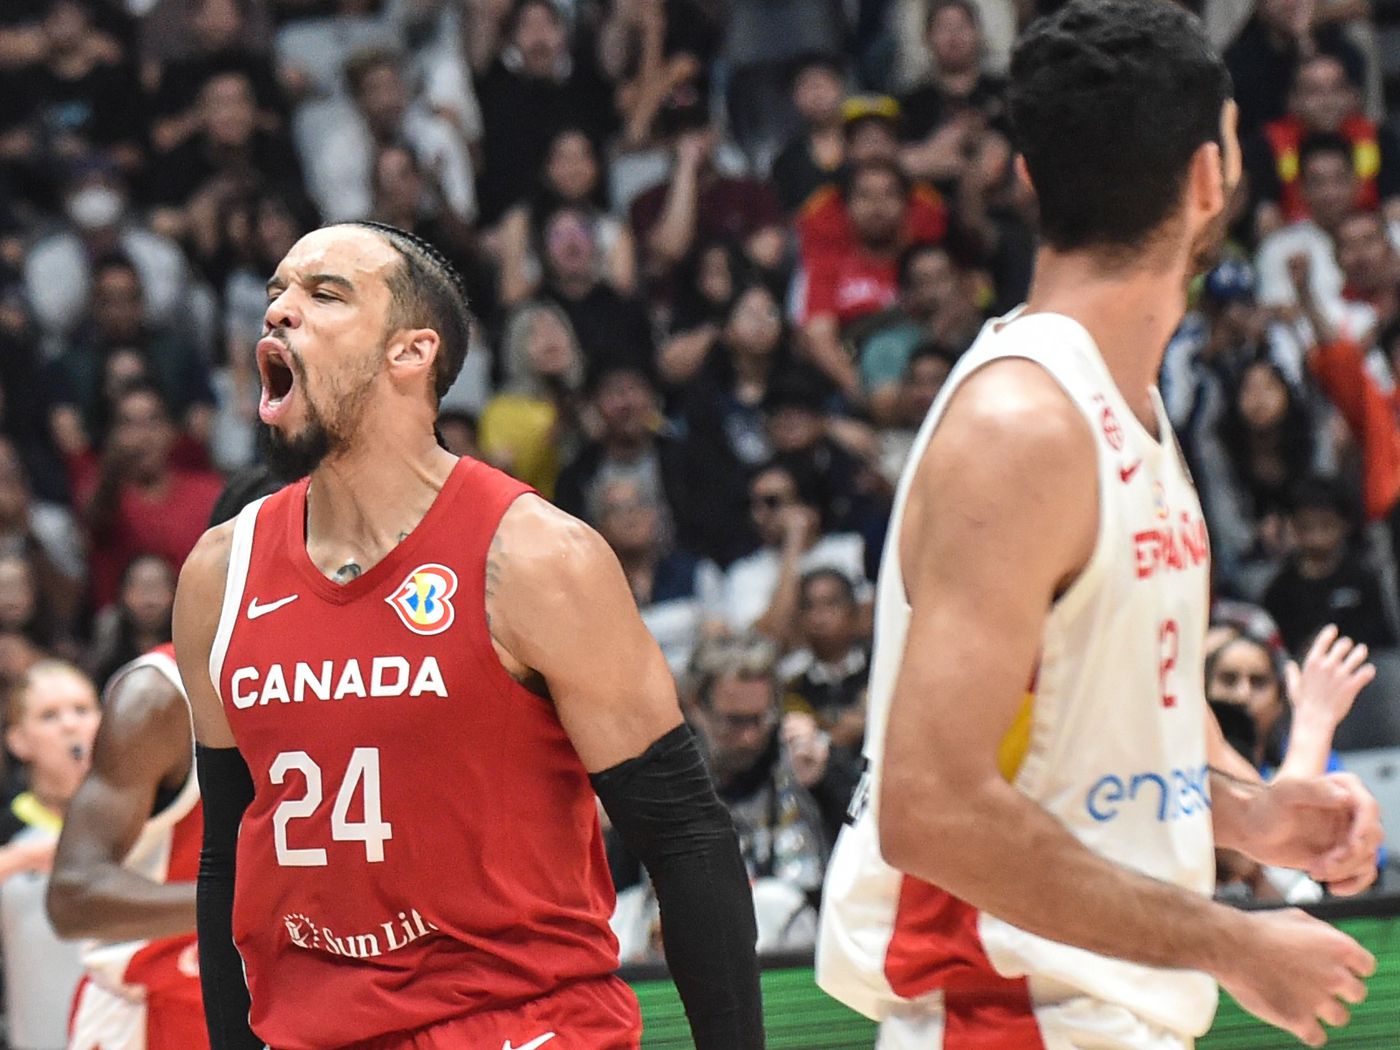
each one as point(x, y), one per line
point(424, 599)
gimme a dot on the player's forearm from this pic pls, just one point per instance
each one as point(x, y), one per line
point(1015, 861)
point(112, 903)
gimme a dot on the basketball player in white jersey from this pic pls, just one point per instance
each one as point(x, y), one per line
point(124, 873)
point(1031, 863)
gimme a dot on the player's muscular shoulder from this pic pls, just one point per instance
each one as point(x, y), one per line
point(146, 727)
point(1012, 454)
point(541, 565)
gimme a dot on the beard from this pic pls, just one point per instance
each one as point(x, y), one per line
point(294, 456)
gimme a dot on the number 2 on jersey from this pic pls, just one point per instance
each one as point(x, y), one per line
point(361, 773)
point(1169, 646)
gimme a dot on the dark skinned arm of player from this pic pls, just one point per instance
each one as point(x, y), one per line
point(226, 790)
point(559, 607)
point(142, 745)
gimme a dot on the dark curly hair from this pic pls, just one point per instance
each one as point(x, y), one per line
point(1110, 99)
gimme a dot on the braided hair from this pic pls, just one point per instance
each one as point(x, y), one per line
point(427, 291)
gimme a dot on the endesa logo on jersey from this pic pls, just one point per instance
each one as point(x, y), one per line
point(1174, 794)
point(424, 599)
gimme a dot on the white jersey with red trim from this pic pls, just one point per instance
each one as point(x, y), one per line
point(1111, 740)
point(167, 850)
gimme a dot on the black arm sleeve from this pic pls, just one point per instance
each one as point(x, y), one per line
point(226, 789)
point(666, 810)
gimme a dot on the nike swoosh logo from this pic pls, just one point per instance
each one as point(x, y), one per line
point(538, 1041)
point(1126, 473)
point(255, 610)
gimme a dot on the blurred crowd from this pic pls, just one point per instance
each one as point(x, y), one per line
point(722, 255)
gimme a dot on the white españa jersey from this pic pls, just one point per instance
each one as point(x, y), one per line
point(1111, 740)
point(167, 850)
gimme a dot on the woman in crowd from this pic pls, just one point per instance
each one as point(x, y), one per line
point(572, 176)
point(531, 427)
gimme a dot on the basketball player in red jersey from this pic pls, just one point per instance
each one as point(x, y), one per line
point(124, 872)
point(409, 677)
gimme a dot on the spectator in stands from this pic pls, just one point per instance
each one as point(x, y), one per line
point(571, 177)
point(117, 324)
point(1329, 186)
point(219, 30)
point(228, 154)
point(411, 197)
point(721, 408)
point(610, 326)
point(828, 450)
point(533, 422)
point(1370, 265)
point(1323, 99)
point(781, 784)
point(843, 289)
point(46, 536)
point(761, 588)
point(653, 49)
point(25, 611)
point(677, 592)
point(1245, 686)
point(51, 721)
point(57, 270)
point(78, 97)
point(138, 621)
point(814, 157)
point(697, 203)
point(936, 302)
point(705, 284)
point(1324, 580)
point(925, 373)
point(826, 679)
point(942, 121)
point(633, 444)
point(29, 414)
point(1265, 446)
point(1264, 57)
point(530, 87)
point(824, 227)
point(344, 148)
point(133, 499)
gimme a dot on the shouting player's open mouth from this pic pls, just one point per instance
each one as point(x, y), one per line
point(278, 379)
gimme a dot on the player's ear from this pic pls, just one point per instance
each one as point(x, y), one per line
point(413, 350)
point(1205, 182)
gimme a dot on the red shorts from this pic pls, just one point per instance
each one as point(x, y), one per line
point(590, 1015)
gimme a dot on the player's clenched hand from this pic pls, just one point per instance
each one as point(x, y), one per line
point(1327, 826)
point(1295, 971)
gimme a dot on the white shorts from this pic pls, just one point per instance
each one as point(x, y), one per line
point(103, 1020)
point(1071, 1024)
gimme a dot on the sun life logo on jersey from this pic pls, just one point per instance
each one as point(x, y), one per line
point(398, 932)
point(302, 930)
point(424, 599)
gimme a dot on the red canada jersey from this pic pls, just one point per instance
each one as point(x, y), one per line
point(423, 841)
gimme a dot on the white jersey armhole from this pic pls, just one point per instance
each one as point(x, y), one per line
point(239, 557)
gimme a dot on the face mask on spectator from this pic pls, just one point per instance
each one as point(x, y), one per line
point(95, 207)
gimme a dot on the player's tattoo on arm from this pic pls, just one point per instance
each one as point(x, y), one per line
point(530, 679)
point(493, 572)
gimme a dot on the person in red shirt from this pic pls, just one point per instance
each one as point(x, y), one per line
point(844, 287)
point(1323, 99)
point(133, 499)
point(872, 134)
